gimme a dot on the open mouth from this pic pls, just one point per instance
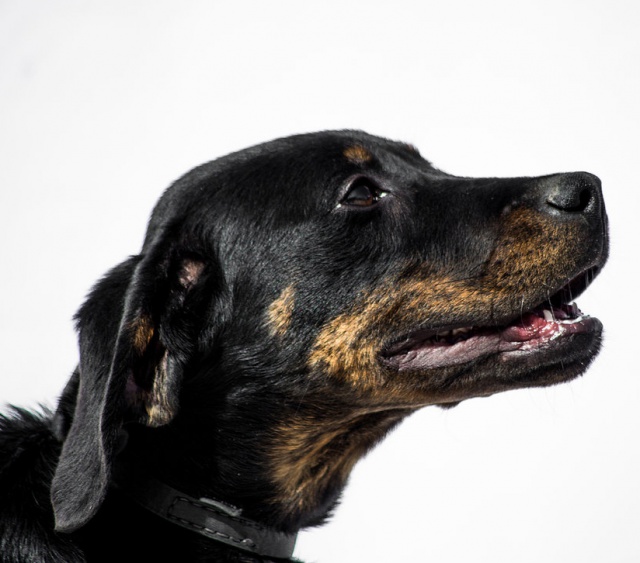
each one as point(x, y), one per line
point(542, 327)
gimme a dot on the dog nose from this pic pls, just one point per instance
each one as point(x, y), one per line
point(577, 193)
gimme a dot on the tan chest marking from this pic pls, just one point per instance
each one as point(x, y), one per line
point(310, 455)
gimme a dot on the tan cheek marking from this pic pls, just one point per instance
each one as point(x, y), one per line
point(357, 154)
point(347, 347)
point(280, 311)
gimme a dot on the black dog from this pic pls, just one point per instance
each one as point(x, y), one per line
point(292, 302)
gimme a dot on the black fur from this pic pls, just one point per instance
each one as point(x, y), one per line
point(250, 351)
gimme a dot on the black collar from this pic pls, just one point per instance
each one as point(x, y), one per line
point(210, 518)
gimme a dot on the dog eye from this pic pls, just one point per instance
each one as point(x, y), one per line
point(363, 193)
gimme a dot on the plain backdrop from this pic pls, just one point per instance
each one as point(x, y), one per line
point(103, 104)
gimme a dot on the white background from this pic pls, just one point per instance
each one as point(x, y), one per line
point(103, 104)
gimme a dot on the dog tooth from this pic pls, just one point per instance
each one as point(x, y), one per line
point(462, 330)
point(548, 316)
point(572, 320)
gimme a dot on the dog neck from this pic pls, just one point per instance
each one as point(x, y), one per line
point(212, 519)
point(300, 461)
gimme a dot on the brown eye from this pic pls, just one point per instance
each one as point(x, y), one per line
point(363, 193)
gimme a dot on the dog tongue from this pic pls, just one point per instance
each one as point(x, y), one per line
point(531, 331)
point(543, 324)
point(530, 327)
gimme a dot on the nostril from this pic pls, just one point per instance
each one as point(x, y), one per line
point(573, 193)
point(571, 201)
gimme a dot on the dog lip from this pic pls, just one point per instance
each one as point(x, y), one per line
point(531, 330)
point(536, 330)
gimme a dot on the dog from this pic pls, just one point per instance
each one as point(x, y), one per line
point(291, 304)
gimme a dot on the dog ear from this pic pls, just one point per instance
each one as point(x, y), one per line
point(136, 330)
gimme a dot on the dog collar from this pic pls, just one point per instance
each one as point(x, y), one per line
point(210, 518)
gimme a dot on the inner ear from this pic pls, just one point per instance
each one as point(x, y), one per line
point(153, 384)
point(189, 272)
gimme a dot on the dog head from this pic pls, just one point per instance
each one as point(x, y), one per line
point(293, 301)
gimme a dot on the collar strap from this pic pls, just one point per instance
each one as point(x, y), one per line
point(210, 518)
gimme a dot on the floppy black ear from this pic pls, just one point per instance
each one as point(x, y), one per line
point(137, 330)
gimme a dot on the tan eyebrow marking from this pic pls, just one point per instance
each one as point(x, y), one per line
point(357, 154)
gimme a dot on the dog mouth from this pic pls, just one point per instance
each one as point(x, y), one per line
point(546, 326)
